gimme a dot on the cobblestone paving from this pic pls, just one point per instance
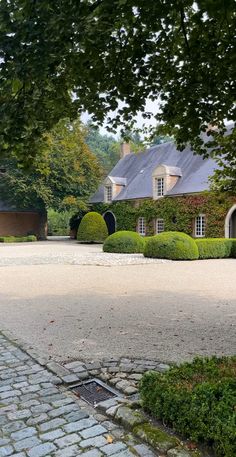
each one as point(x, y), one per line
point(122, 373)
point(99, 259)
point(38, 419)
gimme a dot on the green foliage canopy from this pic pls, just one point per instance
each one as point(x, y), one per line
point(181, 53)
point(64, 175)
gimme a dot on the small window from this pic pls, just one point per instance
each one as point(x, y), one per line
point(159, 225)
point(159, 187)
point(142, 226)
point(200, 226)
point(108, 194)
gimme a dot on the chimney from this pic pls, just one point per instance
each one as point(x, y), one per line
point(124, 149)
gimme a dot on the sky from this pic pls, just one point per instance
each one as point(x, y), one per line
point(150, 107)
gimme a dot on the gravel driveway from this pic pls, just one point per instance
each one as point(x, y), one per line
point(73, 301)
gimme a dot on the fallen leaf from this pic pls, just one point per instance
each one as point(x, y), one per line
point(191, 445)
point(109, 439)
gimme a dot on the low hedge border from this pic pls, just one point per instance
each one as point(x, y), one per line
point(17, 239)
point(216, 248)
point(198, 400)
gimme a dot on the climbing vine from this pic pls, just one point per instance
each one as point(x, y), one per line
point(178, 212)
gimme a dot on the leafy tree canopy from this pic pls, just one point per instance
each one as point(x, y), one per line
point(62, 57)
point(62, 177)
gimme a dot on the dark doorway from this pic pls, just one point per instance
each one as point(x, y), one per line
point(232, 225)
point(110, 220)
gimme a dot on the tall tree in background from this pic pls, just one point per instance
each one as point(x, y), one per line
point(62, 176)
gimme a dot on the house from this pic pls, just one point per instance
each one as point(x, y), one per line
point(22, 222)
point(161, 189)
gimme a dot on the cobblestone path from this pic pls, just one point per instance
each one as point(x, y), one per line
point(38, 418)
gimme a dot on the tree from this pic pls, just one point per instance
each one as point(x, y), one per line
point(62, 177)
point(179, 52)
point(105, 147)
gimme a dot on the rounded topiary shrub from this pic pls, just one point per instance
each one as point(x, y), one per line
point(92, 229)
point(124, 242)
point(171, 245)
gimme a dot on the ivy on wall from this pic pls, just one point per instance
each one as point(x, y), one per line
point(178, 212)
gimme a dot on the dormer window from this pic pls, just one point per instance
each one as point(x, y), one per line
point(164, 178)
point(108, 194)
point(113, 185)
point(159, 187)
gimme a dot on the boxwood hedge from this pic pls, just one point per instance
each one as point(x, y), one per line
point(214, 248)
point(17, 239)
point(198, 400)
point(171, 245)
point(92, 229)
point(125, 242)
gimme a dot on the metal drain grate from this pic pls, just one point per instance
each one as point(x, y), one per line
point(94, 391)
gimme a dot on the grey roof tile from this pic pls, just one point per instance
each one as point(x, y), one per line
point(138, 169)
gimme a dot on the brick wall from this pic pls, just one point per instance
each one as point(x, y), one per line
point(21, 224)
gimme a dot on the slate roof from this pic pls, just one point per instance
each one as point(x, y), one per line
point(138, 169)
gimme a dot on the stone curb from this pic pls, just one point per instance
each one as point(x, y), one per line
point(119, 409)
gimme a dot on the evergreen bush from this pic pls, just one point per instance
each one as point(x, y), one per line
point(92, 229)
point(171, 245)
point(233, 248)
point(17, 239)
point(125, 242)
point(197, 399)
point(214, 248)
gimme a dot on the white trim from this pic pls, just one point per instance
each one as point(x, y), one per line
point(156, 225)
point(108, 188)
point(141, 226)
point(227, 221)
point(202, 227)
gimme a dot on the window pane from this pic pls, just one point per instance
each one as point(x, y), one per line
point(200, 225)
point(159, 225)
point(108, 194)
point(159, 187)
point(142, 226)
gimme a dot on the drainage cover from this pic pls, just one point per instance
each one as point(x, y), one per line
point(94, 391)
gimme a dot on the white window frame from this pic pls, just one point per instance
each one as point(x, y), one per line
point(141, 226)
point(159, 226)
point(200, 226)
point(108, 193)
point(159, 186)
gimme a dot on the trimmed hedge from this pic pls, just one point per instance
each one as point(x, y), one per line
point(92, 229)
point(233, 248)
point(125, 242)
point(214, 248)
point(171, 245)
point(17, 239)
point(198, 400)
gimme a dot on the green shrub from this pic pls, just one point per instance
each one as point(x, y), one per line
point(197, 399)
point(92, 229)
point(31, 238)
point(233, 248)
point(124, 242)
point(58, 222)
point(171, 245)
point(17, 239)
point(214, 248)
